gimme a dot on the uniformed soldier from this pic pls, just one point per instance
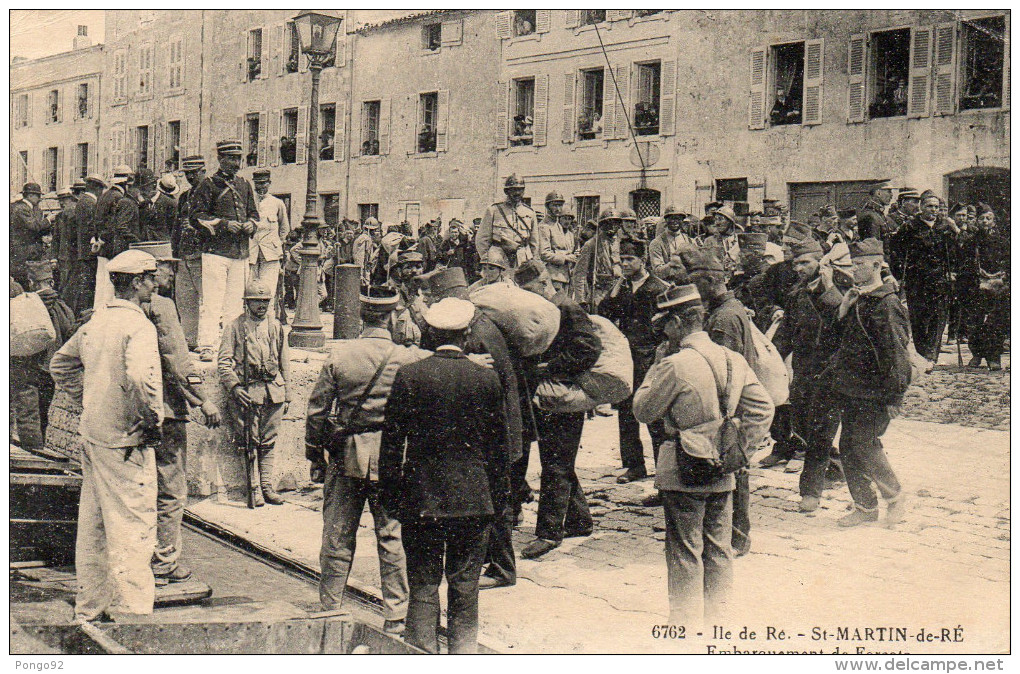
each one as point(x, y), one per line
point(664, 251)
point(158, 208)
point(598, 264)
point(117, 227)
point(511, 225)
point(366, 246)
point(259, 389)
point(28, 226)
point(494, 269)
point(270, 233)
point(872, 221)
point(556, 242)
point(553, 206)
point(723, 236)
point(65, 243)
point(408, 320)
point(80, 291)
point(77, 189)
point(186, 246)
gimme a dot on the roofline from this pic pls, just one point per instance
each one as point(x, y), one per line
point(63, 54)
point(410, 18)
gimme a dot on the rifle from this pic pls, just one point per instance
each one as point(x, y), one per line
point(246, 422)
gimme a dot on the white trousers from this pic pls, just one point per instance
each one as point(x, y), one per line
point(116, 531)
point(104, 287)
point(223, 280)
point(267, 272)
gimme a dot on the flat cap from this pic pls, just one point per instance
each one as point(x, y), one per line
point(442, 280)
point(678, 296)
point(229, 147)
point(450, 313)
point(257, 290)
point(193, 162)
point(161, 250)
point(866, 248)
point(122, 173)
point(78, 186)
point(808, 246)
point(131, 262)
point(632, 247)
point(261, 176)
point(380, 298)
point(529, 271)
point(31, 188)
point(410, 257)
point(929, 194)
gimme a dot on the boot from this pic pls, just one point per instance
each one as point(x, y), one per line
point(259, 501)
point(809, 504)
point(266, 476)
point(856, 517)
point(994, 364)
point(270, 495)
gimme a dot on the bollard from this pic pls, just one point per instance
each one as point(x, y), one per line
point(346, 302)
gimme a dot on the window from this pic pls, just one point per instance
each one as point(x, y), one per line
point(173, 143)
point(428, 106)
point(646, 203)
point(646, 108)
point(524, 22)
point(53, 107)
point(331, 209)
point(176, 65)
point(788, 76)
point(145, 70)
point(524, 112)
point(592, 16)
point(890, 69)
point(983, 50)
point(731, 189)
point(120, 75)
point(366, 211)
point(370, 112)
point(432, 36)
point(81, 161)
point(288, 139)
point(589, 121)
point(22, 112)
point(50, 170)
point(293, 48)
point(22, 168)
point(586, 208)
point(142, 146)
point(254, 54)
point(327, 122)
point(82, 106)
point(251, 127)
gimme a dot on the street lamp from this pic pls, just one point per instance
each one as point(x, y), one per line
point(317, 34)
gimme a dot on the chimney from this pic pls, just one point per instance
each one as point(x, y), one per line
point(82, 40)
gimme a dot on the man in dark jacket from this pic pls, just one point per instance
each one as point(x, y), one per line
point(869, 373)
point(81, 288)
point(28, 226)
point(562, 508)
point(442, 467)
point(117, 227)
point(64, 240)
point(158, 211)
point(224, 213)
point(630, 305)
point(187, 247)
point(808, 331)
point(485, 337)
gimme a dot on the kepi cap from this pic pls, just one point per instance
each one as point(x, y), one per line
point(908, 193)
point(410, 257)
point(442, 280)
point(229, 148)
point(450, 313)
point(261, 176)
point(193, 163)
point(131, 261)
point(867, 248)
point(796, 232)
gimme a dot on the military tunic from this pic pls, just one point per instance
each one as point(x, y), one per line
point(514, 229)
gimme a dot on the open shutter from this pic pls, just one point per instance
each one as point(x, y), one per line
point(856, 92)
point(279, 44)
point(264, 55)
point(571, 18)
point(242, 136)
point(569, 82)
point(273, 137)
point(60, 167)
point(608, 104)
point(149, 149)
point(62, 99)
point(91, 166)
point(302, 134)
point(945, 69)
point(452, 33)
point(339, 132)
point(918, 89)
point(540, 127)
point(243, 67)
point(91, 99)
point(443, 120)
point(622, 97)
point(263, 147)
point(667, 98)
point(503, 22)
point(814, 71)
point(756, 98)
point(503, 113)
point(159, 153)
point(385, 121)
point(73, 156)
point(185, 141)
point(1005, 65)
point(132, 154)
point(543, 20)
point(618, 14)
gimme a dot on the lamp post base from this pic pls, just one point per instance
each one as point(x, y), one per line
point(306, 329)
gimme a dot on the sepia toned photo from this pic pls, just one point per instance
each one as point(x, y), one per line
point(479, 331)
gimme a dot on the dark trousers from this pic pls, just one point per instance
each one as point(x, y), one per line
point(79, 290)
point(741, 540)
point(864, 460)
point(989, 326)
point(929, 312)
point(562, 507)
point(500, 559)
point(632, 452)
point(171, 494)
point(782, 432)
point(820, 422)
point(32, 392)
point(456, 547)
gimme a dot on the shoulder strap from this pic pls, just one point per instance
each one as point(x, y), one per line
point(727, 406)
point(360, 403)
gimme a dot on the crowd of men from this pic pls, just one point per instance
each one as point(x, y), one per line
point(429, 416)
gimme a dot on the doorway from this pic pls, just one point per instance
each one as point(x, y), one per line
point(989, 184)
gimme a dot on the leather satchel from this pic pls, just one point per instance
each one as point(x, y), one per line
point(342, 425)
point(712, 450)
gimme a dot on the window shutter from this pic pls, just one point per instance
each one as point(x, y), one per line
point(667, 98)
point(540, 128)
point(273, 137)
point(414, 102)
point(452, 33)
point(918, 89)
point(263, 147)
point(503, 93)
point(159, 151)
point(185, 140)
point(571, 18)
point(265, 54)
point(814, 71)
point(61, 104)
point(1005, 65)
point(618, 14)
point(91, 166)
point(243, 74)
point(945, 69)
point(503, 23)
point(91, 99)
point(242, 136)
point(60, 167)
point(132, 155)
point(543, 20)
point(608, 104)
point(149, 149)
point(569, 82)
point(279, 44)
point(385, 122)
point(443, 120)
point(302, 134)
point(756, 99)
point(855, 68)
point(339, 132)
point(622, 98)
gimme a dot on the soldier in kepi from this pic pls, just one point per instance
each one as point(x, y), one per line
point(254, 368)
point(510, 225)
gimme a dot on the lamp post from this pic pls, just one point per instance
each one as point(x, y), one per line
point(317, 32)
